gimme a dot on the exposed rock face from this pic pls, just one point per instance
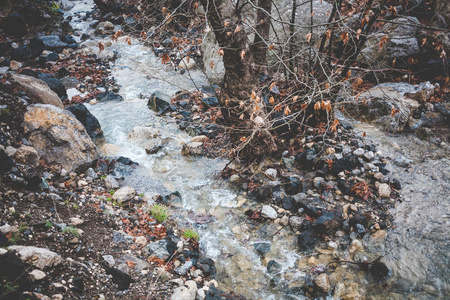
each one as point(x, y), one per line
point(211, 56)
point(401, 43)
point(379, 105)
point(59, 137)
point(36, 89)
point(15, 25)
point(159, 102)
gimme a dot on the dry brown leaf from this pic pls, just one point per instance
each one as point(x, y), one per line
point(253, 95)
point(287, 111)
point(271, 47)
point(308, 37)
point(394, 111)
point(242, 54)
point(237, 29)
point(272, 101)
point(221, 53)
point(101, 47)
point(295, 98)
point(165, 58)
point(344, 37)
point(357, 81)
point(328, 34)
point(382, 42)
point(211, 65)
point(358, 33)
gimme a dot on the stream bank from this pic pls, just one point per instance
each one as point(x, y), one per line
point(288, 227)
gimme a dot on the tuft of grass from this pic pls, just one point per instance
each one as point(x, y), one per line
point(71, 230)
point(191, 234)
point(159, 212)
point(48, 224)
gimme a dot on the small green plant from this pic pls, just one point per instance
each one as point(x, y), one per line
point(22, 228)
point(15, 238)
point(75, 206)
point(141, 195)
point(159, 212)
point(102, 176)
point(48, 224)
point(112, 192)
point(71, 230)
point(53, 7)
point(9, 287)
point(191, 234)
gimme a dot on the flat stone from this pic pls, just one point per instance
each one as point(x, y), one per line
point(268, 212)
point(323, 282)
point(37, 275)
point(124, 194)
point(39, 257)
point(109, 259)
point(76, 221)
point(111, 182)
point(186, 292)
point(384, 190)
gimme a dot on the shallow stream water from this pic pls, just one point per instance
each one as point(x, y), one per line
point(418, 247)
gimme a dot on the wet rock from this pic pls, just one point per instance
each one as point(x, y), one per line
point(358, 152)
point(67, 5)
point(52, 42)
point(109, 96)
point(37, 90)
point(348, 163)
point(307, 240)
point(78, 285)
point(89, 121)
point(207, 265)
point(6, 162)
point(263, 193)
point(268, 212)
point(403, 162)
point(15, 25)
point(124, 194)
point(122, 279)
point(273, 267)
point(27, 155)
point(296, 222)
point(192, 149)
point(54, 84)
point(356, 246)
point(157, 249)
point(293, 185)
point(322, 282)
point(52, 57)
point(143, 133)
point(379, 271)
point(384, 190)
point(186, 292)
point(39, 257)
point(59, 137)
point(159, 102)
point(327, 223)
point(210, 101)
point(262, 248)
point(25, 52)
point(184, 268)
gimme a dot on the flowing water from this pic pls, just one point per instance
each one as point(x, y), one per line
point(419, 251)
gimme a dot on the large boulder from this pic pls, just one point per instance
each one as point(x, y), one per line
point(400, 45)
point(210, 49)
point(89, 121)
point(53, 42)
point(39, 257)
point(36, 89)
point(159, 102)
point(15, 25)
point(59, 137)
point(29, 51)
point(387, 105)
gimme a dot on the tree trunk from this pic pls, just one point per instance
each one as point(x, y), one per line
point(259, 46)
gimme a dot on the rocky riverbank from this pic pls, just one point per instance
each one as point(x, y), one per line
point(72, 227)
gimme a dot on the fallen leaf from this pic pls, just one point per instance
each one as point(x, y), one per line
point(287, 111)
point(295, 98)
point(272, 101)
point(344, 37)
point(242, 54)
point(308, 38)
point(165, 58)
point(221, 53)
point(382, 42)
point(394, 111)
point(101, 46)
point(131, 264)
point(271, 47)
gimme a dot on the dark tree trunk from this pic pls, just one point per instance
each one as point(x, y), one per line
point(259, 46)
